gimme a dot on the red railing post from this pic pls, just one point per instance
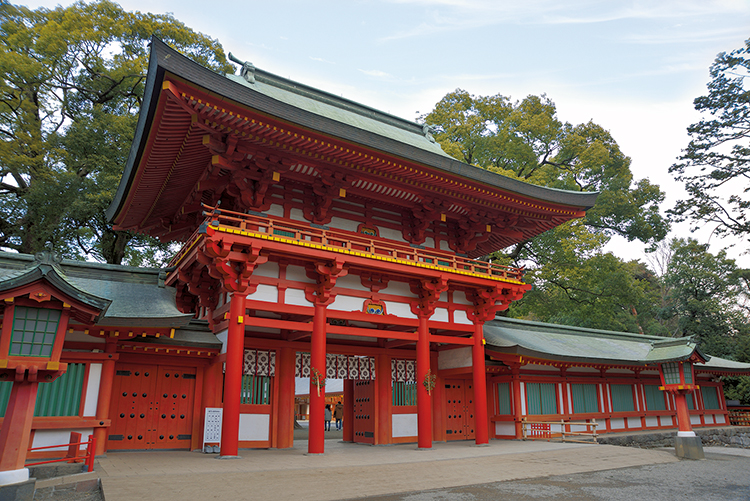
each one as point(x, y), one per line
point(74, 448)
point(91, 450)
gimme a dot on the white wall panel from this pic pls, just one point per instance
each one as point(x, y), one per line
point(297, 298)
point(404, 425)
point(254, 426)
point(268, 293)
point(92, 390)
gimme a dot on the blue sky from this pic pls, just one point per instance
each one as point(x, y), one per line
point(633, 67)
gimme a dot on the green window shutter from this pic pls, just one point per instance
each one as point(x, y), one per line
point(584, 398)
point(654, 398)
point(34, 331)
point(256, 390)
point(687, 371)
point(62, 397)
point(5, 388)
point(404, 394)
point(541, 398)
point(622, 398)
point(710, 397)
point(503, 399)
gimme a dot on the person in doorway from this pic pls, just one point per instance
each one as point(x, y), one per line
point(338, 414)
point(328, 417)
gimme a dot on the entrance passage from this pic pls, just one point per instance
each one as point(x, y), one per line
point(152, 407)
point(364, 412)
point(459, 396)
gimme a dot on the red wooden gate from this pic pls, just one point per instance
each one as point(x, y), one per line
point(152, 407)
point(459, 395)
point(364, 412)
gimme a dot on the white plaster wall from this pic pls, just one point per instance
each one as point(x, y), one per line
point(351, 282)
point(666, 420)
point(391, 234)
point(429, 242)
point(570, 397)
point(555, 428)
point(297, 274)
point(589, 370)
point(695, 420)
point(402, 310)
point(523, 398)
point(617, 424)
point(276, 210)
point(92, 390)
point(652, 421)
point(267, 269)
point(297, 215)
point(634, 422)
point(720, 419)
point(709, 418)
point(44, 438)
point(343, 224)
point(346, 303)
point(459, 317)
point(222, 336)
point(440, 315)
point(404, 425)
point(268, 293)
point(444, 245)
point(505, 429)
point(459, 297)
point(297, 297)
point(398, 289)
point(453, 359)
point(254, 426)
point(619, 371)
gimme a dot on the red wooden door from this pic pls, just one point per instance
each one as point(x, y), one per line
point(151, 407)
point(459, 396)
point(364, 412)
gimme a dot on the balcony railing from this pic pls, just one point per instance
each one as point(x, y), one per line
point(355, 243)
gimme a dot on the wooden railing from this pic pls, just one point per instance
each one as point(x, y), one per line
point(542, 430)
point(74, 453)
point(357, 243)
point(739, 417)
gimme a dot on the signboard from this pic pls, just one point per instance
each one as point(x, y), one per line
point(212, 428)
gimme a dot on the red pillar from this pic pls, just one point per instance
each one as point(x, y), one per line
point(517, 409)
point(684, 427)
point(16, 430)
point(384, 402)
point(285, 360)
point(105, 395)
point(230, 423)
point(424, 403)
point(479, 374)
point(348, 410)
point(316, 440)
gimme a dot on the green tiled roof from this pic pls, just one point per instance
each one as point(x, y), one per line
point(576, 344)
point(128, 296)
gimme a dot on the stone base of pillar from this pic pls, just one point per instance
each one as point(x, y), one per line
point(688, 447)
point(10, 477)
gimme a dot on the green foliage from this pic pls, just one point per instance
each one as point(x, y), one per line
point(575, 283)
point(706, 292)
point(716, 164)
point(73, 81)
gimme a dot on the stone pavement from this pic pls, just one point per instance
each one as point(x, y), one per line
point(348, 471)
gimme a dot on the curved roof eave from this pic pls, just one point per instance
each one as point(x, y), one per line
point(164, 59)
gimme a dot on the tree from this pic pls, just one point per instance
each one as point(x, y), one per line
point(707, 298)
point(527, 141)
point(72, 84)
point(715, 167)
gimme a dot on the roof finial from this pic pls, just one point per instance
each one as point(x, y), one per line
point(247, 71)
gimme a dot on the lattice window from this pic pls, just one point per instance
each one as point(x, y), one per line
point(256, 390)
point(671, 372)
point(404, 394)
point(34, 331)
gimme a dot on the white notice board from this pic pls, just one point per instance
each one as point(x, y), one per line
point(212, 427)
